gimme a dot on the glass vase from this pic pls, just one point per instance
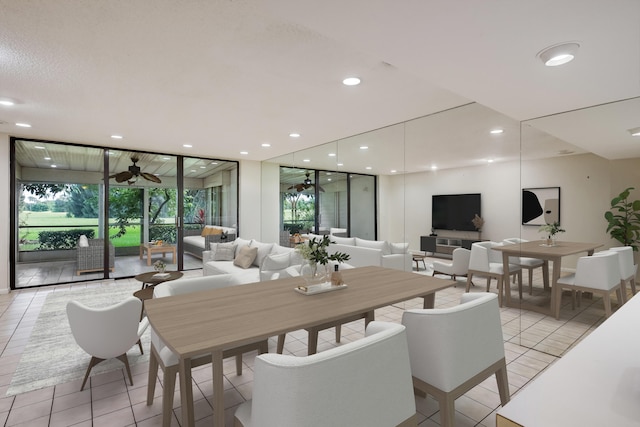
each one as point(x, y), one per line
point(314, 273)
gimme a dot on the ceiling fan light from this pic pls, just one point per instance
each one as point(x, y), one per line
point(559, 54)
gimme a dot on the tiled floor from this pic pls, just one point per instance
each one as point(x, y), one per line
point(532, 342)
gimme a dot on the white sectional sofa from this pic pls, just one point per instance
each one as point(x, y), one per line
point(364, 252)
point(271, 261)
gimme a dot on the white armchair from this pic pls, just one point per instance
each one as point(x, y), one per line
point(458, 266)
point(162, 356)
point(454, 349)
point(486, 262)
point(363, 383)
point(108, 332)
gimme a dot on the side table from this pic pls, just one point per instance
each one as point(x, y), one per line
point(150, 279)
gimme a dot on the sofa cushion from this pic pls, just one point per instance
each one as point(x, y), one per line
point(240, 244)
point(210, 230)
point(263, 250)
point(276, 262)
point(214, 248)
point(245, 257)
point(399, 248)
point(83, 242)
point(225, 252)
point(351, 241)
point(374, 244)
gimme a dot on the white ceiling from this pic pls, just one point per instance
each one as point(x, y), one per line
point(227, 76)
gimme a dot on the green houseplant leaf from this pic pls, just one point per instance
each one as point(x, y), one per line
point(623, 219)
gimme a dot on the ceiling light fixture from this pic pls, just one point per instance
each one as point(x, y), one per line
point(634, 131)
point(332, 154)
point(266, 145)
point(294, 135)
point(244, 153)
point(496, 131)
point(351, 81)
point(187, 145)
point(558, 54)
point(116, 136)
point(306, 160)
point(364, 147)
point(23, 125)
point(7, 102)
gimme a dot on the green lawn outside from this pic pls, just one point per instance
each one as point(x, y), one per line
point(44, 220)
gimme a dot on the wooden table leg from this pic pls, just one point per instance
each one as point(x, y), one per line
point(506, 283)
point(555, 275)
point(173, 260)
point(313, 341)
point(186, 393)
point(218, 389)
point(429, 301)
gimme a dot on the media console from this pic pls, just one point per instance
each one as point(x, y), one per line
point(441, 245)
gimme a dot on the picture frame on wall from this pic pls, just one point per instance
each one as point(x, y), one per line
point(540, 205)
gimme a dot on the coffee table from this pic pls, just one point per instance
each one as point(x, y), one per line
point(219, 319)
point(151, 249)
point(150, 278)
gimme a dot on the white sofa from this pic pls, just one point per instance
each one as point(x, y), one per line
point(271, 261)
point(364, 252)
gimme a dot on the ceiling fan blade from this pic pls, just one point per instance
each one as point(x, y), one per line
point(150, 177)
point(122, 176)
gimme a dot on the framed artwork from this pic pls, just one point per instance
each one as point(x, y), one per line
point(540, 206)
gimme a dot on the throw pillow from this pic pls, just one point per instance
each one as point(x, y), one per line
point(399, 248)
point(83, 242)
point(245, 257)
point(241, 243)
point(276, 262)
point(374, 244)
point(264, 249)
point(225, 252)
point(214, 248)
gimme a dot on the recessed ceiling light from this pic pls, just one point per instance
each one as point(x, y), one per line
point(203, 167)
point(193, 170)
point(368, 168)
point(340, 164)
point(434, 167)
point(187, 145)
point(47, 158)
point(214, 163)
point(294, 135)
point(116, 136)
point(393, 171)
point(634, 131)
point(351, 81)
point(244, 153)
point(329, 179)
point(23, 125)
point(332, 154)
point(166, 158)
point(496, 131)
point(266, 145)
point(54, 166)
point(7, 102)
point(364, 147)
point(490, 161)
point(39, 147)
point(306, 160)
point(558, 54)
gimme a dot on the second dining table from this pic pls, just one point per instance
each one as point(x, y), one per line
point(548, 253)
point(219, 319)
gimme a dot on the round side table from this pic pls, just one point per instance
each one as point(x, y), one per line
point(150, 278)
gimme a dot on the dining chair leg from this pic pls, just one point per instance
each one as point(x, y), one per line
point(606, 299)
point(632, 282)
point(280, 346)
point(469, 276)
point(153, 373)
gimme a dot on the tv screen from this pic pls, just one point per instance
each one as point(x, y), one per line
point(454, 211)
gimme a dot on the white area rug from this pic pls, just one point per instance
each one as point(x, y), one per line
point(52, 356)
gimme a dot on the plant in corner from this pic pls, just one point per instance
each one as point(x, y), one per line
point(624, 219)
point(551, 230)
point(315, 252)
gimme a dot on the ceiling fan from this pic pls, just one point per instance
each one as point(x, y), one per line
point(304, 185)
point(131, 175)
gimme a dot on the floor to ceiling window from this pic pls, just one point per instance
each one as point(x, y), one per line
point(129, 215)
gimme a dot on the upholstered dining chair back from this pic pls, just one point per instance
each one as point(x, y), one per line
point(528, 263)
point(628, 269)
point(107, 332)
point(363, 383)
point(486, 262)
point(453, 349)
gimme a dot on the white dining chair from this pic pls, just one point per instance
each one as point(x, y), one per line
point(486, 262)
point(628, 269)
point(529, 264)
point(453, 349)
point(107, 332)
point(599, 274)
point(366, 382)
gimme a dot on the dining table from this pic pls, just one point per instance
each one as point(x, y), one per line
point(218, 319)
point(548, 253)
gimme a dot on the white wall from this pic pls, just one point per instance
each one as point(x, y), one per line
point(250, 201)
point(5, 182)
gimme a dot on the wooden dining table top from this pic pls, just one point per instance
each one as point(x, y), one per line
point(229, 317)
point(539, 249)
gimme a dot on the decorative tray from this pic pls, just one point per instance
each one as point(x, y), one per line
point(318, 289)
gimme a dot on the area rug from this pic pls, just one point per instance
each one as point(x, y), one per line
point(52, 356)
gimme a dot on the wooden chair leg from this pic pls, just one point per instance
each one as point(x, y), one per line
point(280, 346)
point(500, 288)
point(633, 285)
point(447, 411)
point(168, 391)
point(93, 362)
point(151, 379)
point(503, 384)
point(606, 299)
point(469, 276)
point(123, 359)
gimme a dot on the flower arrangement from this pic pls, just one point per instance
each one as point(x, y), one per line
point(159, 266)
point(315, 251)
point(551, 230)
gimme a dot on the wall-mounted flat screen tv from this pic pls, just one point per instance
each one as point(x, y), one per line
point(454, 211)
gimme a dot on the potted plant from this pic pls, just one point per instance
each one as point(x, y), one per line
point(551, 230)
point(624, 219)
point(317, 259)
